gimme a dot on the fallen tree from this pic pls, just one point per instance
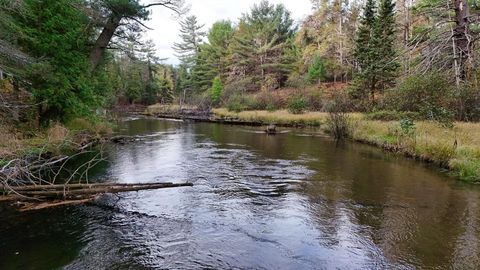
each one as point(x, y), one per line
point(41, 181)
point(36, 197)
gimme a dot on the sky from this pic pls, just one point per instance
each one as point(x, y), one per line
point(166, 26)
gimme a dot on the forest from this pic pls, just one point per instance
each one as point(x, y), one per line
point(406, 63)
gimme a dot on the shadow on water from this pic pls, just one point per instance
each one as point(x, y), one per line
point(292, 201)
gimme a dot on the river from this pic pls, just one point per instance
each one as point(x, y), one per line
point(296, 200)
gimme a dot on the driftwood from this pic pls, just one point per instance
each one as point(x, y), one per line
point(36, 197)
point(46, 192)
point(35, 206)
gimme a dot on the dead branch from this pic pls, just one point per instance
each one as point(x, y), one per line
point(79, 191)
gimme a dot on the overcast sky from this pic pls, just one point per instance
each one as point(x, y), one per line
point(165, 26)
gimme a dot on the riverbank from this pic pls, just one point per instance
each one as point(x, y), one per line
point(58, 139)
point(456, 149)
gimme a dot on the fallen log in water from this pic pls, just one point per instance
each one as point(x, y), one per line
point(56, 195)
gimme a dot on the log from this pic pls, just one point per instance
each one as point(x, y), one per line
point(76, 186)
point(80, 191)
point(25, 207)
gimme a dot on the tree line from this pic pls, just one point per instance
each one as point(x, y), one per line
point(75, 56)
point(400, 56)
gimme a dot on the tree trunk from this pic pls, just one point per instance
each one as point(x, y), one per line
point(103, 40)
point(462, 36)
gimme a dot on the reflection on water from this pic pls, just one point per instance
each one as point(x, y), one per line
point(293, 201)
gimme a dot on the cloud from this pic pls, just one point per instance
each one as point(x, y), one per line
point(166, 27)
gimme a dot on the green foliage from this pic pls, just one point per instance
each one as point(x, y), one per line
point(316, 71)
point(220, 34)
point(429, 95)
point(468, 100)
point(191, 36)
point(407, 126)
point(297, 104)
point(374, 49)
point(216, 90)
point(236, 103)
point(61, 82)
point(259, 47)
point(151, 92)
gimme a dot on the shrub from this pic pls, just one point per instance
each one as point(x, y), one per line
point(269, 100)
point(297, 104)
point(238, 103)
point(430, 95)
point(338, 121)
point(392, 115)
point(468, 100)
point(407, 126)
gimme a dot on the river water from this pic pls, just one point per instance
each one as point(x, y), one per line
point(296, 200)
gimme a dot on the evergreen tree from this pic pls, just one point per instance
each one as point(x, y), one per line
point(385, 36)
point(191, 37)
point(316, 72)
point(211, 61)
point(375, 52)
point(187, 51)
point(258, 47)
point(365, 51)
point(61, 81)
point(216, 90)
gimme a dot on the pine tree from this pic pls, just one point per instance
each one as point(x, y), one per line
point(365, 51)
point(258, 47)
point(211, 60)
point(385, 43)
point(316, 71)
point(191, 36)
point(187, 51)
point(375, 51)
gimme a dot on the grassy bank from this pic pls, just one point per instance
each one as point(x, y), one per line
point(55, 140)
point(457, 148)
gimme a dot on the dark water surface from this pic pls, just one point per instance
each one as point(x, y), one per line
point(291, 201)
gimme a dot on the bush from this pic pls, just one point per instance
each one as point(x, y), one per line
point(430, 95)
point(297, 104)
point(468, 100)
point(392, 115)
point(238, 103)
point(268, 100)
point(338, 121)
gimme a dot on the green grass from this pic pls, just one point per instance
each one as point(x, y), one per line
point(457, 148)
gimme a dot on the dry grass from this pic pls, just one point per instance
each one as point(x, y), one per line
point(281, 117)
point(57, 133)
point(167, 109)
point(9, 141)
point(56, 139)
point(458, 148)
